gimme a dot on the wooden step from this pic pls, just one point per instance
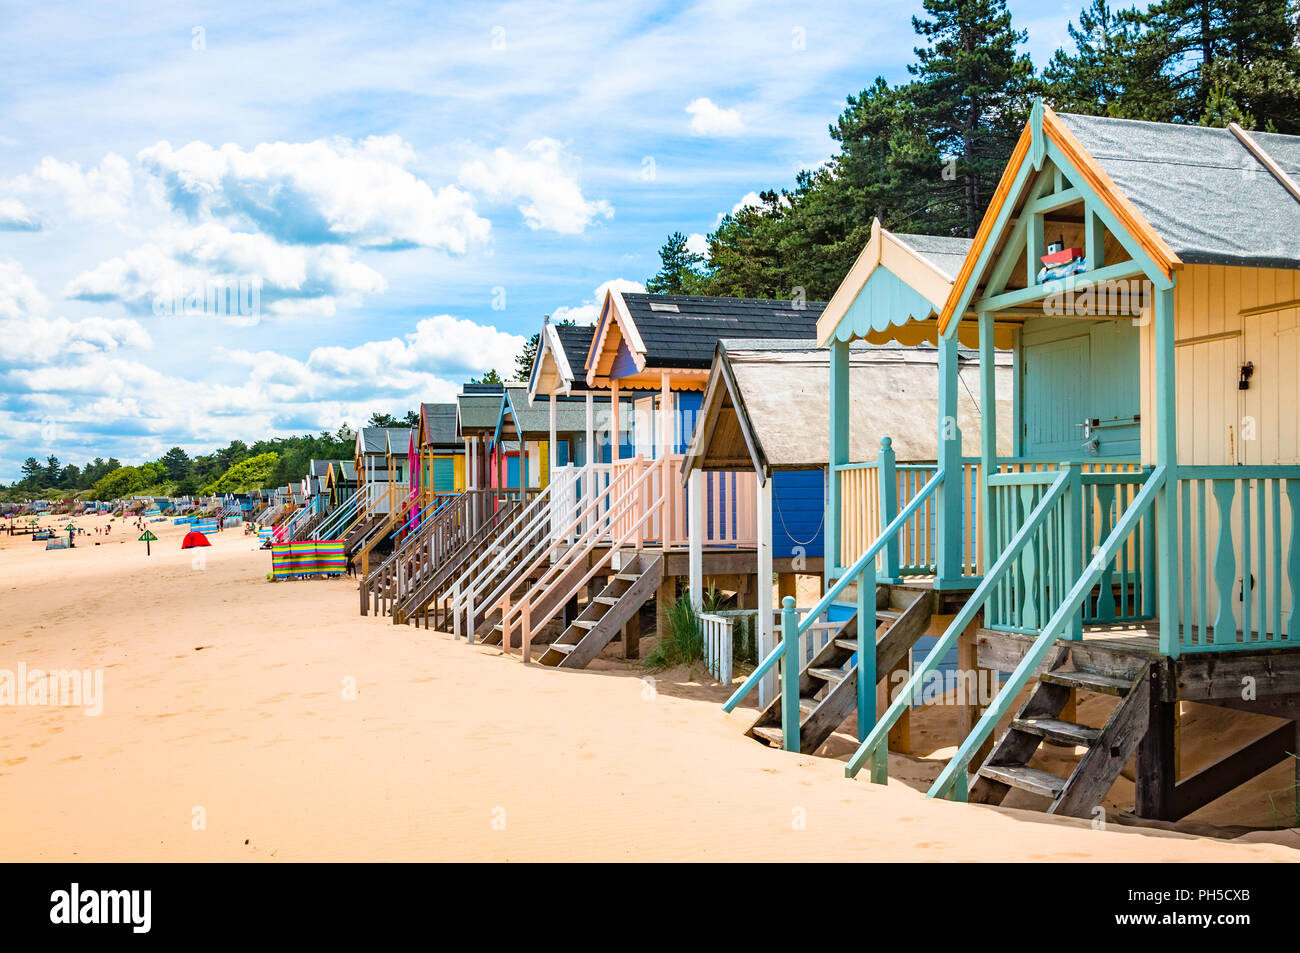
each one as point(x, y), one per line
point(807, 704)
point(1089, 681)
point(564, 648)
point(585, 623)
point(1025, 779)
point(888, 615)
point(1054, 729)
point(767, 733)
point(849, 645)
point(629, 576)
point(607, 600)
point(827, 674)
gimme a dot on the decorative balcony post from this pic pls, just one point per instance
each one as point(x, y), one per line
point(1166, 502)
point(948, 506)
point(1075, 501)
point(766, 622)
point(887, 475)
point(866, 651)
point(695, 533)
point(839, 452)
point(988, 434)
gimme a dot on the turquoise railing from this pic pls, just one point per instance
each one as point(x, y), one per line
point(1029, 591)
point(787, 651)
point(1238, 558)
point(1064, 491)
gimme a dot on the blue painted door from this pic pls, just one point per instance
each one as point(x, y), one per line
point(444, 474)
point(1075, 373)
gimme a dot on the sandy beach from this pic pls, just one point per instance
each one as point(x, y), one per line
point(249, 720)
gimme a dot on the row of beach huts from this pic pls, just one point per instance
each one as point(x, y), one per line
point(1064, 455)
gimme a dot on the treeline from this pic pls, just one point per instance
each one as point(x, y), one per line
point(237, 467)
point(924, 156)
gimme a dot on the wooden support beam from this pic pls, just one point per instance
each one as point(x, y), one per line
point(1157, 761)
point(766, 610)
point(1232, 771)
point(632, 636)
point(968, 669)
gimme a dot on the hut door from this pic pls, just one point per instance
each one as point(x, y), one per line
point(1209, 404)
point(1081, 389)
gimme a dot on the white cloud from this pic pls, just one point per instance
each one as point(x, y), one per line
point(39, 341)
point(19, 295)
point(102, 192)
point(326, 191)
point(710, 119)
point(17, 217)
point(697, 243)
point(182, 263)
point(589, 311)
point(538, 181)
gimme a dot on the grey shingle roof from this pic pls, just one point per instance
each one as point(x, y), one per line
point(535, 421)
point(478, 412)
point(376, 439)
point(441, 424)
point(945, 253)
point(687, 337)
point(1201, 189)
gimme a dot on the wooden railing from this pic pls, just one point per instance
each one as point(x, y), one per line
point(1062, 623)
point(620, 515)
point(1238, 558)
point(1032, 588)
point(791, 653)
point(480, 582)
point(730, 505)
point(874, 491)
point(442, 528)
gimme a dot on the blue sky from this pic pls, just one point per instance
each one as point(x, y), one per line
point(398, 192)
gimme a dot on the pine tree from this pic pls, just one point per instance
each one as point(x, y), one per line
point(679, 268)
point(972, 92)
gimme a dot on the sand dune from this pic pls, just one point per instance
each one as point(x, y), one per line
point(228, 700)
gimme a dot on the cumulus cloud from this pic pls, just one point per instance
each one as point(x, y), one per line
point(321, 192)
point(710, 119)
point(17, 217)
point(539, 182)
point(589, 311)
point(698, 244)
point(183, 266)
point(19, 295)
point(101, 192)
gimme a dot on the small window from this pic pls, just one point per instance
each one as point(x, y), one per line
point(663, 306)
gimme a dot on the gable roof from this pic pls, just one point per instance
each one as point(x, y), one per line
point(438, 425)
point(640, 332)
point(560, 364)
point(476, 413)
point(1203, 190)
point(897, 283)
point(762, 396)
point(378, 440)
point(533, 420)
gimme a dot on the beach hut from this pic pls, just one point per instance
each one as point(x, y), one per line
point(756, 414)
point(381, 459)
point(437, 453)
point(1141, 539)
point(619, 529)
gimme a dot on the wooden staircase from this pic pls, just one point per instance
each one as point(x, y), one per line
point(828, 685)
point(1040, 722)
point(428, 599)
point(606, 614)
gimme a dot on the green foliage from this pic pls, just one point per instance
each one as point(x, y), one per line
point(491, 377)
point(683, 642)
point(925, 156)
point(255, 473)
point(122, 482)
point(679, 271)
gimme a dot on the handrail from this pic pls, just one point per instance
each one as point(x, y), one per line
point(466, 601)
point(850, 574)
point(587, 540)
point(953, 777)
point(634, 529)
point(341, 516)
point(481, 580)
